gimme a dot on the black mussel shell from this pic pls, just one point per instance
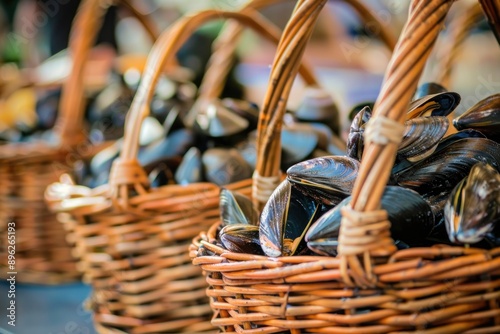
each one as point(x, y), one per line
point(245, 109)
point(176, 144)
point(327, 179)
point(218, 121)
point(440, 104)
point(449, 164)
point(355, 142)
point(473, 207)
point(284, 221)
point(402, 164)
point(410, 215)
point(190, 170)
point(241, 238)
point(236, 208)
point(421, 136)
point(484, 116)
point(160, 176)
point(225, 165)
point(357, 108)
point(318, 106)
point(429, 88)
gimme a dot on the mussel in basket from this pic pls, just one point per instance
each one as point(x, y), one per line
point(484, 116)
point(421, 137)
point(285, 220)
point(241, 238)
point(225, 165)
point(355, 142)
point(190, 170)
point(449, 164)
point(440, 104)
point(473, 207)
point(326, 179)
point(410, 215)
point(318, 106)
point(236, 208)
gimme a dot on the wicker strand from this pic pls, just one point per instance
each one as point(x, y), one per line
point(263, 187)
point(382, 130)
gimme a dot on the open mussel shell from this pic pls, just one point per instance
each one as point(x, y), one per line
point(327, 179)
point(318, 106)
point(440, 104)
point(176, 144)
point(421, 136)
point(473, 207)
point(484, 116)
point(46, 109)
point(410, 215)
point(355, 142)
point(225, 165)
point(357, 108)
point(241, 238)
point(449, 164)
point(284, 221)
point(236, 208)
point(429, 88)
point(190, 169)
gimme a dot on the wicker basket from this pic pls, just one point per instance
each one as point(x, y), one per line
point(371, 287)
point(42, 255)
point(133, 240)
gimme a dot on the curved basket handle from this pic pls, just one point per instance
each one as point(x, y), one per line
point(466, 18)
point(365, 228)
point(83, 32)
point(297, 32)
point(491, 9)
point(126, 171)
point(221, 61)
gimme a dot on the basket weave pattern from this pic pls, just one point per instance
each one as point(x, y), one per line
point(43, 255)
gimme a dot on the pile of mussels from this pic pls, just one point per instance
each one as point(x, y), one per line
point(442, 190)
point(184, 142)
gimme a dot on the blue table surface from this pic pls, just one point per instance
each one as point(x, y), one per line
point(46, 309)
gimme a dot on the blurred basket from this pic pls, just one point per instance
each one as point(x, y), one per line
point(133, 240)
point(370, 287)
point(42, 254)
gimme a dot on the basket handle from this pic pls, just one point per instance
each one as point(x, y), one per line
point(225, 45)
point(295, 36)
point(365, 228)
point(83, 32)
point(126, 171)
point(491, 9)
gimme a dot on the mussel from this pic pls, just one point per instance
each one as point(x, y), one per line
point(225, 165)
point(355, 143)
point(190, 169)
point(410, 215)
point(473, 207)
point(421, 137)
point(484, 116)
point(318, 106)
point(440, 104)
point(241, 238)
point(327, 179)
point(284, 221)
point(236, 208)
point(449, 164)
